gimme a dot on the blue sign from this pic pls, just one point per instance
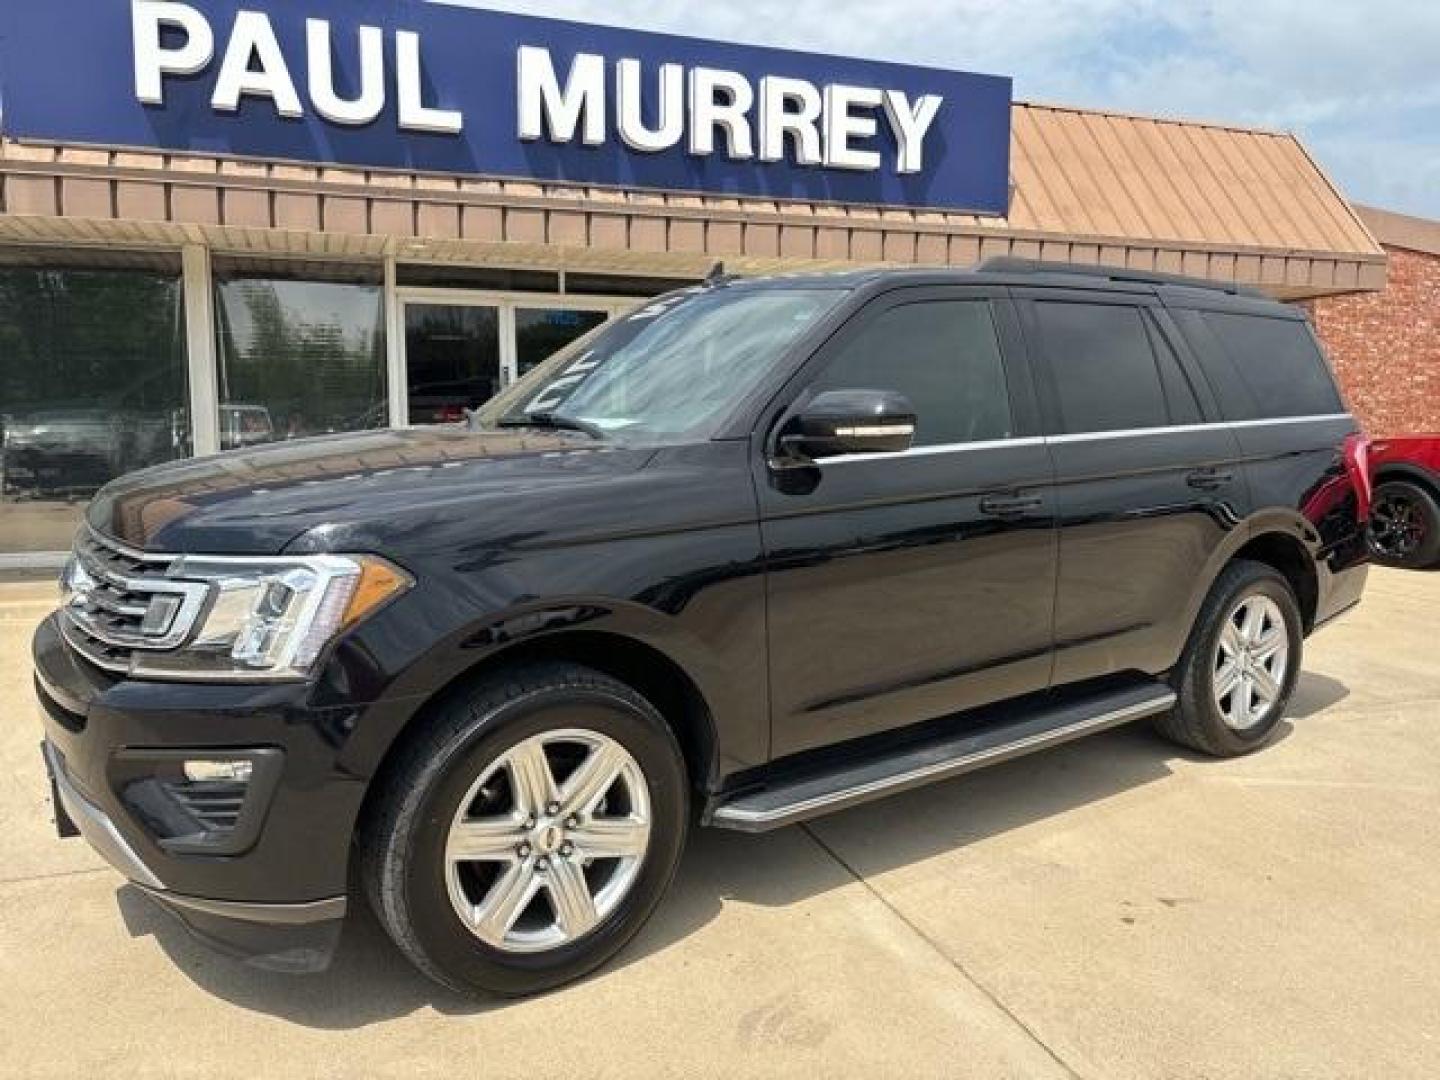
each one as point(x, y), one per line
point(432, 86)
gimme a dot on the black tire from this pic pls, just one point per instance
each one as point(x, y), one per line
point(1405, 525)
point(402, 856)
point(1196, 721)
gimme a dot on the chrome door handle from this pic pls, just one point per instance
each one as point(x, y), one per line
point(1006, 506)
point(1210, 479)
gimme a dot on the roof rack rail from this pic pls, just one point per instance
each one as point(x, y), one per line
point(1007, 264)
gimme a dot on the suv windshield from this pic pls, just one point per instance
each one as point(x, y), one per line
point(673, 368)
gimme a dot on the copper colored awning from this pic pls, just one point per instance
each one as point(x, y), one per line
point(1090, 187)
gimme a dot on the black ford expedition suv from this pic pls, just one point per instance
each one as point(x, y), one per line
point(755, 552)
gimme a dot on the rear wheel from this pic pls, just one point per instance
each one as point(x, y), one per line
point(529, 832)
point(1405, 525)
point(1240, 666)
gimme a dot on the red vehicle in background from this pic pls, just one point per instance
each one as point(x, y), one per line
point(1405, 510)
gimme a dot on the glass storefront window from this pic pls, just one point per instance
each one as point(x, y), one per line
point(92, 385)
point(298, 358)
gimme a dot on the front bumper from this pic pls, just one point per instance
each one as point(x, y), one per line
point(281, 937)
point(273, 889)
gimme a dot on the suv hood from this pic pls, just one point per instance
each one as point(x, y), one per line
point(257, 501)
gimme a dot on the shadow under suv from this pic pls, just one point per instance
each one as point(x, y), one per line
point(757, 551)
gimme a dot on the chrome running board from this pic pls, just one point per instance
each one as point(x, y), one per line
point(810, 792)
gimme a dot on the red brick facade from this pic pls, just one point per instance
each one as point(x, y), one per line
point(1386, 346)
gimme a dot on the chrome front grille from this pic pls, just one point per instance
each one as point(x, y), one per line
point(117, 601)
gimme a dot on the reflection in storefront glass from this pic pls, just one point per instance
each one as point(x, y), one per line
point(298, 358)
point(541, 333)
point(452, 360)
point(92, 385)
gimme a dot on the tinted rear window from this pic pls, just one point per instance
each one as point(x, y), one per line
point(1279, 364)
point(1104, 368)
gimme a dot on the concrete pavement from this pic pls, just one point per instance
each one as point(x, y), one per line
point(1110, 909)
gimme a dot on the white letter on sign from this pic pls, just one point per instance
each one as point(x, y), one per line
point(254, 36)
point(152, 60)
point(329, 104)
point(720, 99)
point(844, 121)
point(670, 119)
point(543, 105)
point(789, 107)
point(910, 124)
point(415, 115)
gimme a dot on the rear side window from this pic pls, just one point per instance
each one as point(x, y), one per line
point(1107, 373)
point(1279, 365)
point(944, 356)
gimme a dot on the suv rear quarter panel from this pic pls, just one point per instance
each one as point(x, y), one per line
point(1294, 466)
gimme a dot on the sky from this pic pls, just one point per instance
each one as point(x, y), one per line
point(1357, 80)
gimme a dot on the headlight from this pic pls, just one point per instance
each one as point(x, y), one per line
point(267, 619)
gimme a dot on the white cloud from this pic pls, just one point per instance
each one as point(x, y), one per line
point(1359, 82)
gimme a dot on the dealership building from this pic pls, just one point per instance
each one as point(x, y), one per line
point(222, 225)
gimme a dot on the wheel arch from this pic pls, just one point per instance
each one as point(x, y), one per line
point(1284, 552)
point(658, 677)
point(1408, 471)
point(1282, 541)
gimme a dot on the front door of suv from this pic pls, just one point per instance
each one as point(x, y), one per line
point(1148, 481)
point(906, 586)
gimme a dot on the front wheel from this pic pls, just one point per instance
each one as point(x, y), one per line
point(1241, 665)
point(528, 833)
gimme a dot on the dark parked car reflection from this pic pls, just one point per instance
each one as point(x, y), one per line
point(76, 451)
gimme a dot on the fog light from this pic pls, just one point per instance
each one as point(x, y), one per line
point(202, 772)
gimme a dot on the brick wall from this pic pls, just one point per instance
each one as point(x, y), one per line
point(1386, 346)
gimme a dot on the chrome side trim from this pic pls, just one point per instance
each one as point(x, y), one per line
point(938, 448)
point(314, 911)
point(1083, 436)
point(1318, 418)
point(97, 828)
point(736, 817)
point(1182, 429)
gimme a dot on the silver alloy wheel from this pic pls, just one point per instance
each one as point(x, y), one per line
point(548, 841)
point(1251, 662)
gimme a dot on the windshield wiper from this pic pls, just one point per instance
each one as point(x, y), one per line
point(555, 421)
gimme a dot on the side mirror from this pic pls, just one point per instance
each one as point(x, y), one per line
point(837, 422)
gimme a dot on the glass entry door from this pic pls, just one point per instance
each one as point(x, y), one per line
point(540, 332)
point(452, 360)
point(461, 349)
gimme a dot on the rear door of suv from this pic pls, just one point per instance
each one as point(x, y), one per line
point(1148, 480)
point(1272, 382)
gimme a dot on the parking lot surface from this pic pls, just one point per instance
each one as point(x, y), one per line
point(1110, 909)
